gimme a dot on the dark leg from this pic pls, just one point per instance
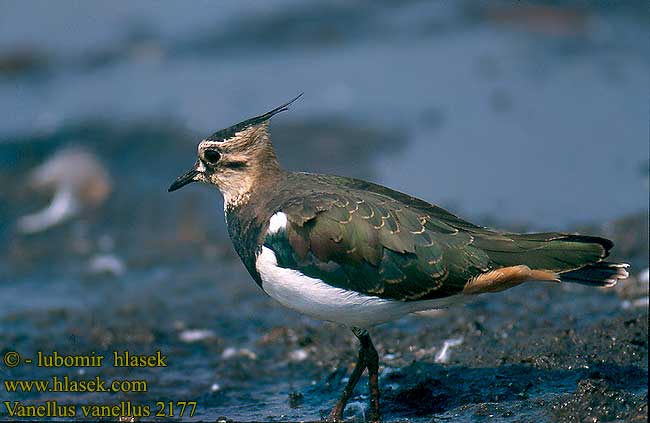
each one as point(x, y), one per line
point(368, 358)
point(336, 415)
point(372, 363)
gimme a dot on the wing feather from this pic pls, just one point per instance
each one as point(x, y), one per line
point(362, 236)
point(374, 245)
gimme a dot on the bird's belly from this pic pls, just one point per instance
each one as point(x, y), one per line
point(317, 299)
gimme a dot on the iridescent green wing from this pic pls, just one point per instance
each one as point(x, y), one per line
point(377, 245)
point(553, 251)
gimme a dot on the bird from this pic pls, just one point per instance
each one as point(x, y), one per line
point(80, 182)
point(360, 254)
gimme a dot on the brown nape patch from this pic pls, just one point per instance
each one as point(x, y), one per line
point(506, 277)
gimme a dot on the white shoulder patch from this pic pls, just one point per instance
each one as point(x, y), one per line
point(277, 223)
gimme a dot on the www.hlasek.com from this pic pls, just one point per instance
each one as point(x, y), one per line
point(65, 384)
point(52, 408)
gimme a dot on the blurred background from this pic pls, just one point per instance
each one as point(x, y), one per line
point(527, 115)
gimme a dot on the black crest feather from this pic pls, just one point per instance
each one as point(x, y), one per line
point(226, 133)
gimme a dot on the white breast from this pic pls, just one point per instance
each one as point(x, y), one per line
point(317, 299)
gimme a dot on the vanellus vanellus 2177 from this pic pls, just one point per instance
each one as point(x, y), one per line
point(360, 254)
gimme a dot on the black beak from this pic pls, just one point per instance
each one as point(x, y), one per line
point(181, 181)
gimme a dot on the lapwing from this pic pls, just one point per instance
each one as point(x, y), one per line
point(79, 181)
point(360, 254)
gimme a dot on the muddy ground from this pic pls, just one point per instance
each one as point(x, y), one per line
point(534, 353)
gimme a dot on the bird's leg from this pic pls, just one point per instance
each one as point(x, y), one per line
point(368, 358)
point(336, 415)
point(372, 363)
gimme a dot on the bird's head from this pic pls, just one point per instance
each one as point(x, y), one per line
point(235, 159)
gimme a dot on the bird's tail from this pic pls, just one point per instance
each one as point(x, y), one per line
point(571, 257)
point(603, 274)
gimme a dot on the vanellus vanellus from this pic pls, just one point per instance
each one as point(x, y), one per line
point(360, 254)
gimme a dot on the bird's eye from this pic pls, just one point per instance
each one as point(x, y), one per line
point(212, 156)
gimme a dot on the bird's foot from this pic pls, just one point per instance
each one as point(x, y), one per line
point(336, 415)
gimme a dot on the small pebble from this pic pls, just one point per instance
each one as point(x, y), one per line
point(298, 355)
point(106, 264)
point(231, 352)
point(196, 335)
